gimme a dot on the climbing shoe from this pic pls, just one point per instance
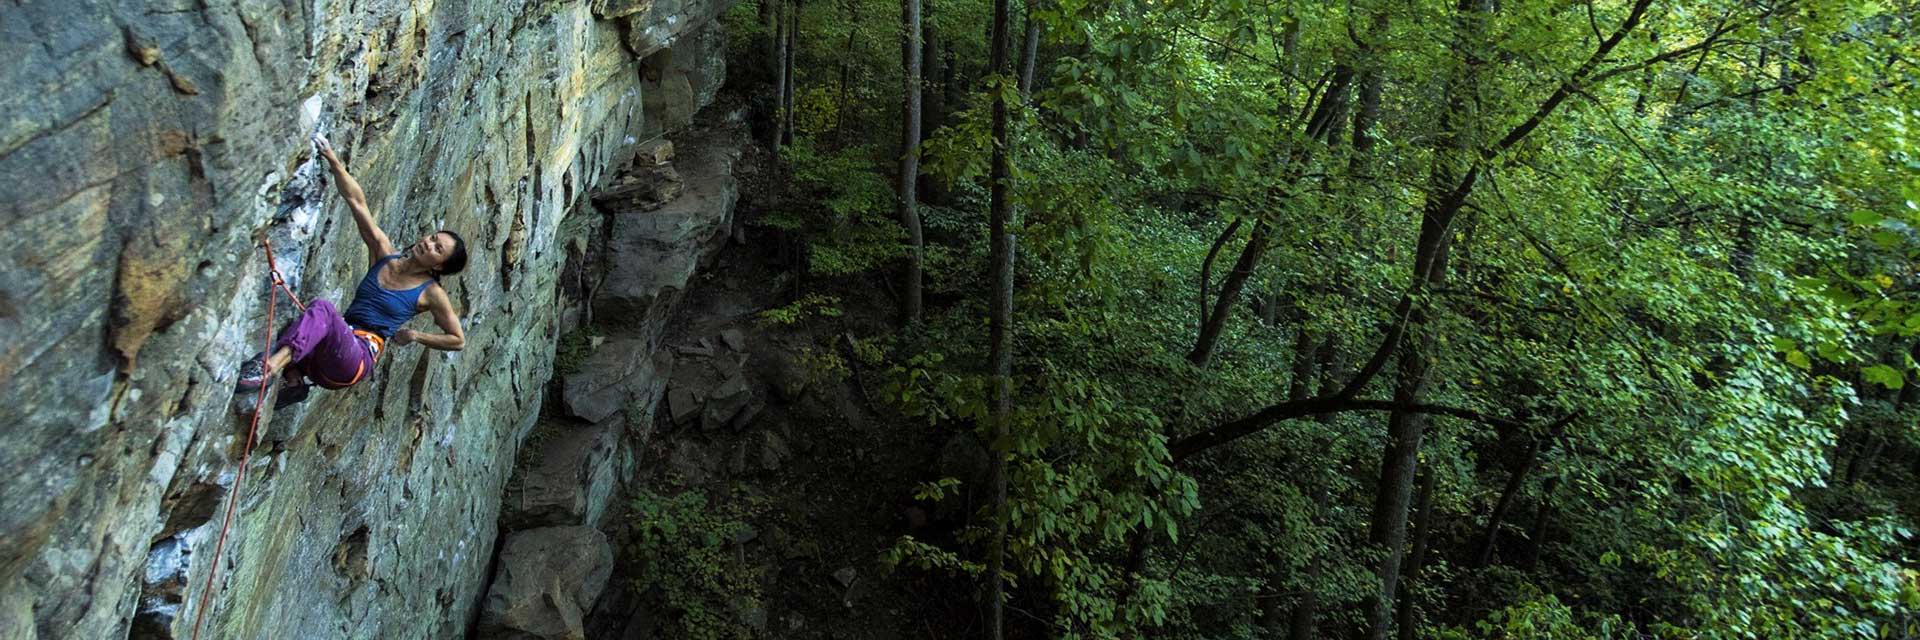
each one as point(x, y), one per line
point(253, 373)
point(291, 395)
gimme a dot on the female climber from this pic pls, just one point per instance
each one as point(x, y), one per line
point(336, 350)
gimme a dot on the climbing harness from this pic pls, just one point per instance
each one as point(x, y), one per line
point(374, 345)
point(246, 452)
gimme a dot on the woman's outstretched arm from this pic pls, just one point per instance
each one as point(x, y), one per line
point(377, 242)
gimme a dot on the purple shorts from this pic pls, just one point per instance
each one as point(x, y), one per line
point(325, 348)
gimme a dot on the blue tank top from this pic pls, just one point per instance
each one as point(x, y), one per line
point(379, 309)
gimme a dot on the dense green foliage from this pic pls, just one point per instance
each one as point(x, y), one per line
point(1671, 332)
point(685, 550)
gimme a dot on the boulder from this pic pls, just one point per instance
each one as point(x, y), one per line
point(701, 349)
point(567, 478)
point(760, 451)
point(734, 340)
point(695, 464)
point(748, 414)
point(785, 373)
point(655, 152)
point(965, 458)
point(652, 254)
point(682, 405)
point(620, 372)
point(640, 190)
point(727, 401)
point(545, 581)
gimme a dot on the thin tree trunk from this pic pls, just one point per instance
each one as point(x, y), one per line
point(1537, 534)
point(1388, 530)
point(1303, 351)
point(780, 71)
point(910, 154)
point(846, 75)
point(1216, 321)
point(793, 45)
point(1206, 267)
point(1417, 558)
point(932, 98)
point(1000, 310)
point(1528, 462)
point(1862, 463)
point(1029, 54)
point(1388, 527)
point(1324, 117)
point(1869, 451)
point(1304, 623)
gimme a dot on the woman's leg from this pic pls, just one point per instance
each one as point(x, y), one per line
point(321, 345)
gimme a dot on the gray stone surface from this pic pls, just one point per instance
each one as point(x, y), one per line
point(144, 147)
point(566, 478)
point(546, 581)
point(620, 372)
point(659, 250)
point(760, 451)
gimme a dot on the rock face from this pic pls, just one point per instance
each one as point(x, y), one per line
point(144, 152)
point(548, 578)
point(659, 249)
point(568, 479)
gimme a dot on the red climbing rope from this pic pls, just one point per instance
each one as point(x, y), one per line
point(246, 452)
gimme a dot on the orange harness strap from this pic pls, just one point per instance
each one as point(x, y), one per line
point(374, 344)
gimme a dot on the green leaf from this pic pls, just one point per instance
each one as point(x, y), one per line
point(1865, 218)
point(1884, 376)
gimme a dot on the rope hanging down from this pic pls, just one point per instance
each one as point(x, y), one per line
point(246, 452)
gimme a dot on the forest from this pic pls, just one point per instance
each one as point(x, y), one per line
point(1374, 319)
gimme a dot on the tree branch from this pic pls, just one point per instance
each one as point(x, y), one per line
point(1319, 405)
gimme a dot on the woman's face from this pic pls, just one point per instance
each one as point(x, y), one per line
point(432, 251)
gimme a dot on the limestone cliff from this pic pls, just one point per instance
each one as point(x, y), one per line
point(146, 148)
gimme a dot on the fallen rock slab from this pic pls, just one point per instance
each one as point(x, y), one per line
point(568, 479)
point(546, 580)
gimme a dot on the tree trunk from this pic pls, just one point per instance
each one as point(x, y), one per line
point(787, 97)
point(1206, 268)
point(910, 154)
point(1304, 347)
point(1874, 443)
point(1029, 54)
point(1417, 558)
point(1324, 118)
point(1216, 321)
point(1304, 623)
point(1000, 310)
point(1388, 527)
point(932, 99)
point(1528, 462)
point(780, 71)
point(840, 111)
point(1537, 534)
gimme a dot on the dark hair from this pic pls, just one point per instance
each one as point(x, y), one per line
point(456, 259)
